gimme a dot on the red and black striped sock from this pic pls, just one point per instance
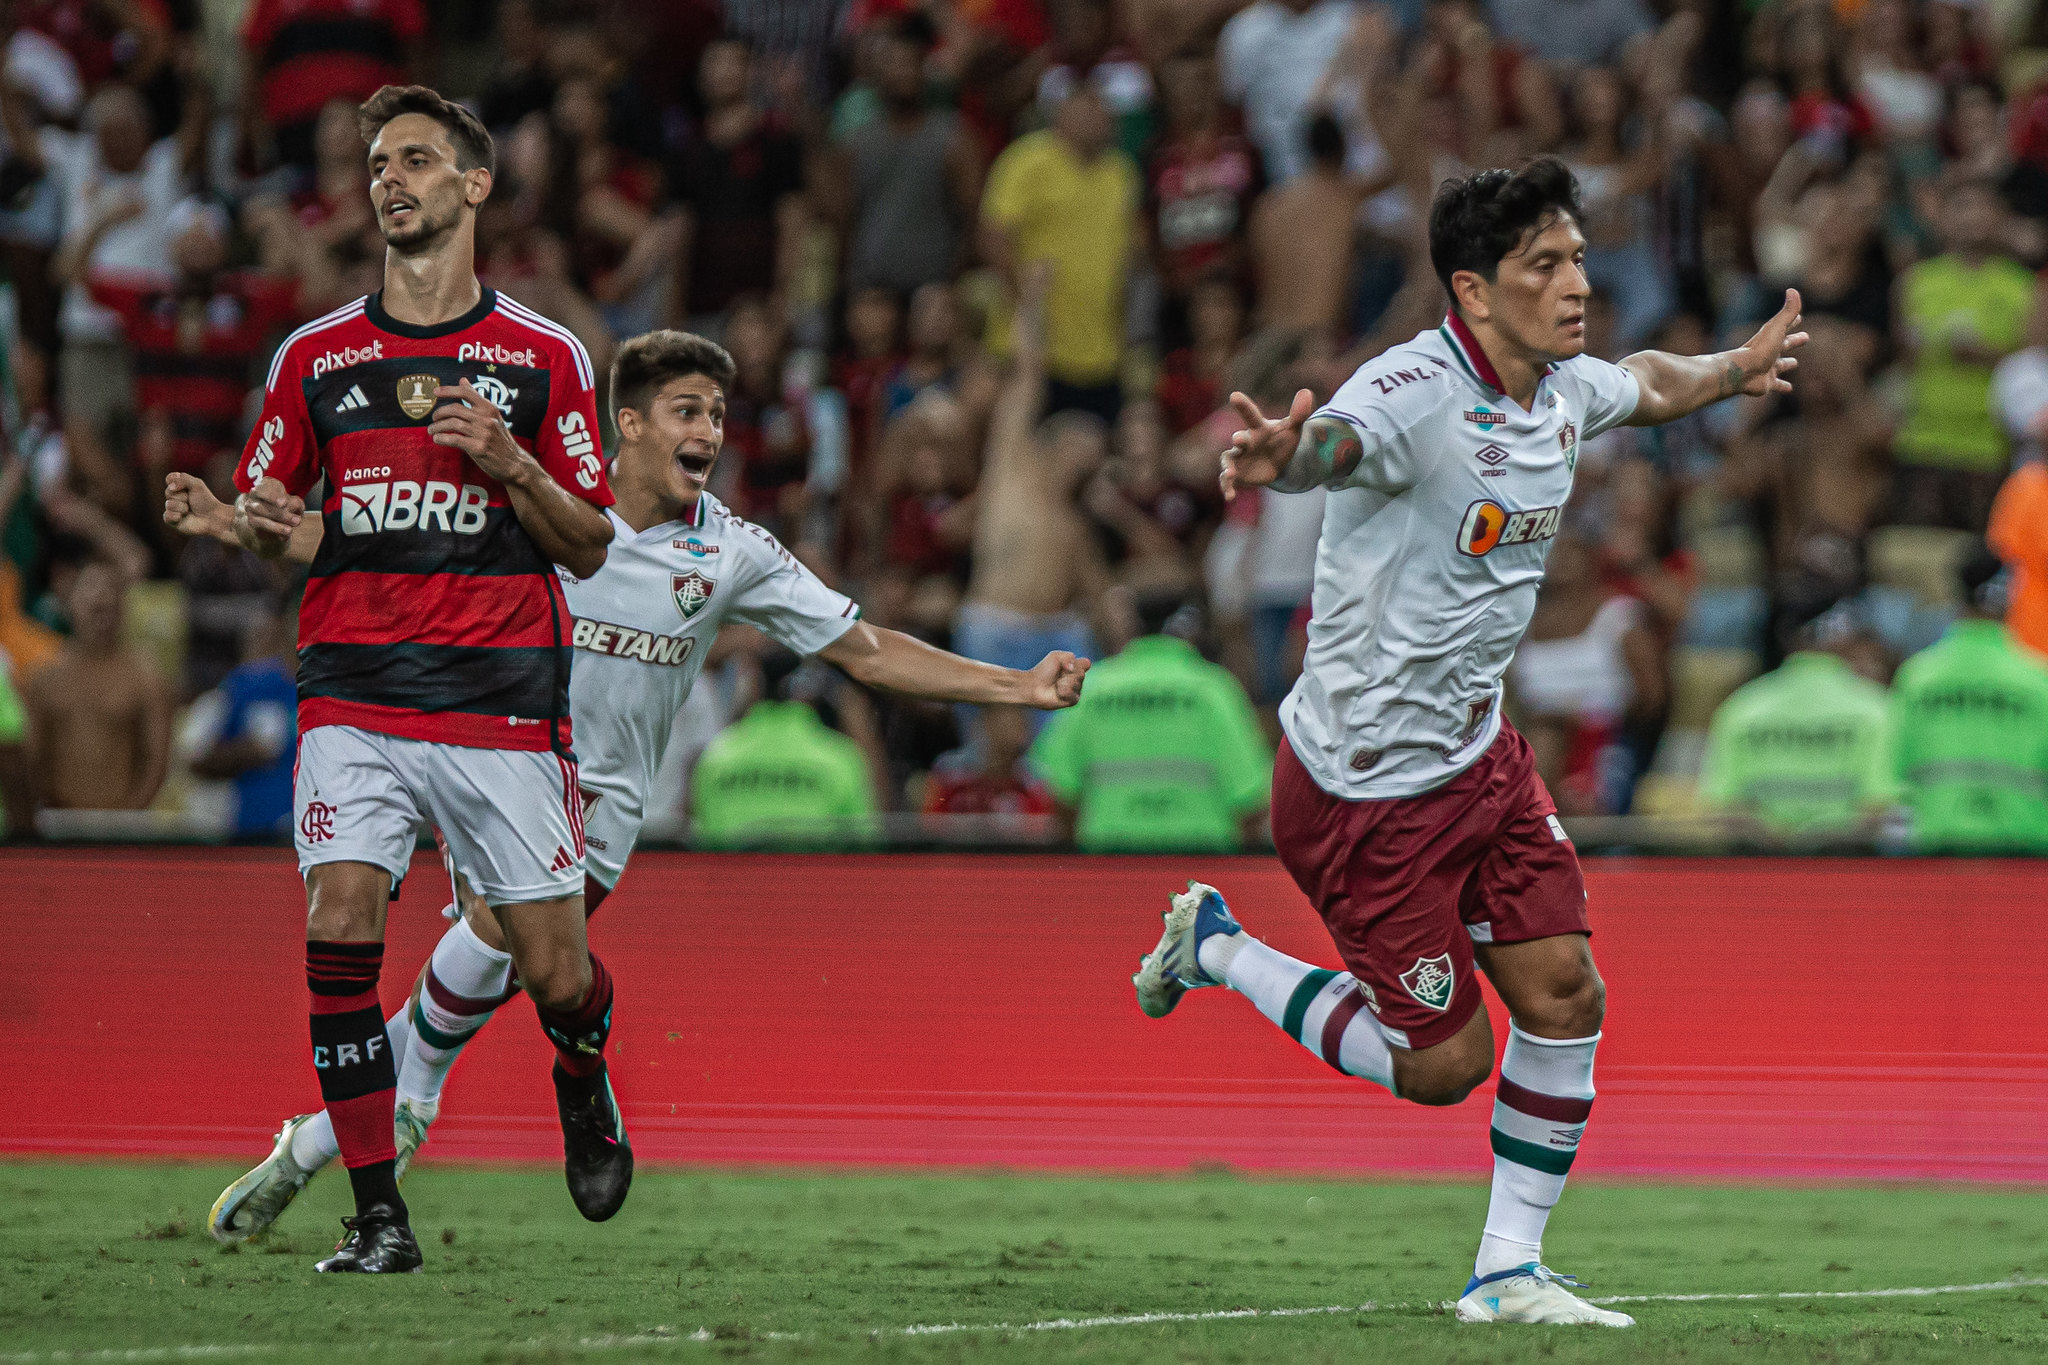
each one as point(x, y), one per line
point(579, 1035)
point(352, 1056)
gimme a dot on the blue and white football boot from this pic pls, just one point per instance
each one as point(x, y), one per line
point(1533, 1293)
point(1175, 967)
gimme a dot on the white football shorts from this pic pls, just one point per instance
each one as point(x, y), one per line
point(512, 818)
point(609, 833)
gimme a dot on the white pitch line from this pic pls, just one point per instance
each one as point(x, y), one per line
point(669, 1336)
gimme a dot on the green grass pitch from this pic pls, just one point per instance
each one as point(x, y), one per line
point(110, 1261)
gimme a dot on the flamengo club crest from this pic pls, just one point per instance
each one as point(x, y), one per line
point(693, 590)
point(1430, 981)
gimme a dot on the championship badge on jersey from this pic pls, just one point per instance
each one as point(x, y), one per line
point(416, 395)
point(692, 590)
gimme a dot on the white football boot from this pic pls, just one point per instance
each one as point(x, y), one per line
point(410, 1120)
point(253, 1203)
point(1174, 968)
point(1533, 1293)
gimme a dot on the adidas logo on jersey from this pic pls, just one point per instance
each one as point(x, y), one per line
point(624, 642)
point(563, 862)
point(353, 399)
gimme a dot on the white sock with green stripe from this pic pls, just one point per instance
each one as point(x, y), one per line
point(466, 982)
point(1324, 1011)
point(1539, 1113)
point(315, 1144)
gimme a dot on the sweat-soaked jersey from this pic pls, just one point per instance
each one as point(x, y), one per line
point(429, 612)
point(1431, 552)
point(645, 621)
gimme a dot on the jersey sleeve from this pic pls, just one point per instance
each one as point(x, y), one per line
point(1387, 462)
point(1606, 393)
point(282, 446)
point(567, 446)
point(782, 598)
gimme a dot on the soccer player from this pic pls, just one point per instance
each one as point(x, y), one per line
point(680, 566)
point(456, 434)
point(1407, 810)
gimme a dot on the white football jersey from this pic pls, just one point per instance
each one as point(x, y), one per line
point(644, 623)
point(1430, 555)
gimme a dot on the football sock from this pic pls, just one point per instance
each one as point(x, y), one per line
point(314, 1144)
point(1539, 1112)
point(579, 1035)
point(1324, 1011)
point(352, 1057)
point(467, 979)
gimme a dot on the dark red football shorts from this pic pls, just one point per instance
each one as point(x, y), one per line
point(1408, 885)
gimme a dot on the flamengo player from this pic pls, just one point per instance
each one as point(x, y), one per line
point(1404, 806)
point(456, 432)
point(680, 566)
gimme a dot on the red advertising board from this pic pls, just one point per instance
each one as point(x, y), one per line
point(1840, 1019)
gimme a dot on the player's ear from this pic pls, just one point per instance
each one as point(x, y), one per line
point(1470, 293)
point(627, 420)
point(476, 186)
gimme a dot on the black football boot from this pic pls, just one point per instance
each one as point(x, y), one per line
point(378, 1243)
point(597, 1159)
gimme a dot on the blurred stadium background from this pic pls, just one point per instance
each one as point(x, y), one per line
point(1231, 196)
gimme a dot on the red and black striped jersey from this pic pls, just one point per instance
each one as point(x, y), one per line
point(429, 612)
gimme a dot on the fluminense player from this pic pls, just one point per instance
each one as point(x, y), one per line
point(1404, 806)
point(680, 565)
point(455, 434)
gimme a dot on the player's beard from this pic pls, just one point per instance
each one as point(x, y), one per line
point(423, 233)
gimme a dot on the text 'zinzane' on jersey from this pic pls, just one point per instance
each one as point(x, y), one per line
point(1487, 525)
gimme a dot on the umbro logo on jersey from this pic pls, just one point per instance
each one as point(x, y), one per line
point(1487, 525)
point(1490, 455)
point(353, 399)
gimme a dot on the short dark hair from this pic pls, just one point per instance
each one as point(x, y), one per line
point(472, 141)
point(650, 360)
point(1476, 222)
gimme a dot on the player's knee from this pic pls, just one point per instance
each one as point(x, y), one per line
point(1444, 1078)
point(560, 984)
point(1572, 1005)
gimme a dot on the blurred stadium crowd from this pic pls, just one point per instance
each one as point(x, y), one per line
point(1211, 195)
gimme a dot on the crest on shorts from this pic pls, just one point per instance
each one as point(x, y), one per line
point(416, 395)
point(1430, 981)
point(693, 590)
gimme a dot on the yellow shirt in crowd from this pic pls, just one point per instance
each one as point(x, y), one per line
point(1082, 217)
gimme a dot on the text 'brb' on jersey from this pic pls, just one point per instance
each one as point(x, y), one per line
point(1431, 552)
point(429, 613)
point(645, 621)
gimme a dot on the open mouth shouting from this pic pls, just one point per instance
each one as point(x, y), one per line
point(695, 464)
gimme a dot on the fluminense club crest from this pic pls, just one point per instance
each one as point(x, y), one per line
point(693, 590)
point(1431, 981)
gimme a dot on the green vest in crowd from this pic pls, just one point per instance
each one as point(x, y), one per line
point(1971, 716)
point(1803, 748)
point(1162, 753)
point(779, 776)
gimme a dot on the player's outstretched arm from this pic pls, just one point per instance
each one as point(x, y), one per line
point(1673, 385)
point(1290, 454)
point(895, 662)
point(569, 531)
point(191, 509)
